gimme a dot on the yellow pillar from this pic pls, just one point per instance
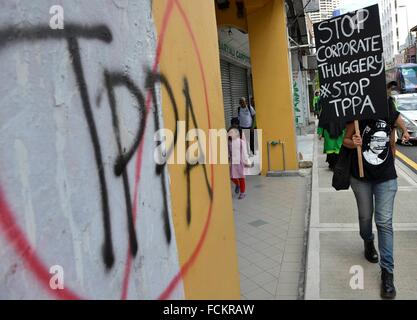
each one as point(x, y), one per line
point(206, 243)
point(271, 82)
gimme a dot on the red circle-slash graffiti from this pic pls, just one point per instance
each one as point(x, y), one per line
point(17, 239)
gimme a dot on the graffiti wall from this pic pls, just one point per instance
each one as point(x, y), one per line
point(85, 211)
point(79, 187)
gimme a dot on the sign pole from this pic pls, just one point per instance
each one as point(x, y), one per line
point(359, 150)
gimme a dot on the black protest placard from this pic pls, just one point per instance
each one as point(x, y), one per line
point(351, 67)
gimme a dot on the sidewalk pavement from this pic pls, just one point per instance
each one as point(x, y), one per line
point(335, 246)
point(270, 231)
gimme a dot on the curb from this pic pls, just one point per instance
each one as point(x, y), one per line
point(312, 281)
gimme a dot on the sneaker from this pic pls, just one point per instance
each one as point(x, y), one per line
point(387, 286)
point(242, 196)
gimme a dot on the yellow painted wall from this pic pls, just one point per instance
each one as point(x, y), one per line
point(271, 81)
point(228, 17)
point(214, 275)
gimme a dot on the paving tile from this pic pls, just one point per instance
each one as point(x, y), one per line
point(275, 270)
point(251, 271)
point(258, 246)
point(246, 252)
point(258, 223)
point(249, 241)
point(290, 248)
point(267, 263)
point(292, 257)
point(271, 287)
point(259, 294)
point(263, 235)
point(297, 241)
point(243, 262)
point(257, 256)
point(287, 288)
point(280, 245)
point(286, 297)
point(247, 285)
point(272, 252)
point(274, 240)
point(277, 257)
point(289, 277)
point(263, 277)
point(291, 266)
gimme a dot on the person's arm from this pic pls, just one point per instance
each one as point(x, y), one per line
point(351, 140)
point(400, 123)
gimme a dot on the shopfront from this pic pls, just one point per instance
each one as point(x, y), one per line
point(235, 71)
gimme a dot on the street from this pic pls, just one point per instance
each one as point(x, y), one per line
point(408, 155)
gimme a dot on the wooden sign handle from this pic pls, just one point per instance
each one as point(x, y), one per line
point(359, 150)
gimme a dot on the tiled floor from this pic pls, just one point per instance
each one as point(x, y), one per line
point(270, 225)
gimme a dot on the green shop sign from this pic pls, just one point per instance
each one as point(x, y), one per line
point(234, 54)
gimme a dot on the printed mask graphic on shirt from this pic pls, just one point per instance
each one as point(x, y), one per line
point(375, 142)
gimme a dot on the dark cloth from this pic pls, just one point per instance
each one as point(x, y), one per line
point(335, 129)
point(378, 160)
point(331, 159)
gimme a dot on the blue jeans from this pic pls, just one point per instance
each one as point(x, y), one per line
point(384, 194)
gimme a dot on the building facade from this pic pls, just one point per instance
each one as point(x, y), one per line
point(327, 7)
point(394, 29)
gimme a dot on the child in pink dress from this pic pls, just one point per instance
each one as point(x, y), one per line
point(238, 160)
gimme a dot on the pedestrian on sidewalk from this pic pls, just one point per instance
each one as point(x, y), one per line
point(331, 146)
point(246, 115)
point(316, 104)
point(376, 191)
point(238, 160)
point(333, 134)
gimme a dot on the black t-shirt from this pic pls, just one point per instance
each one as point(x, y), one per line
point(378, 160)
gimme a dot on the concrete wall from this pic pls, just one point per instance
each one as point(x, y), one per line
point(78, 184)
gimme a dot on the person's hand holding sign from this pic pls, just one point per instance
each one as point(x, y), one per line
point(357, 140)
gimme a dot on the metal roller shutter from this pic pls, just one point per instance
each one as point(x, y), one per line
point(234, 86)
point(227, 93)
point(239, 85)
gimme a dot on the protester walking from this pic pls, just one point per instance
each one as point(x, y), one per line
point(375, 192)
